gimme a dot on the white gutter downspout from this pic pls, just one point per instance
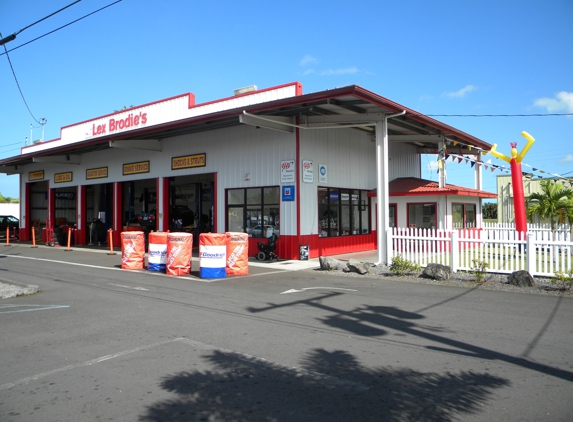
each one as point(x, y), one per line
point(382, 194)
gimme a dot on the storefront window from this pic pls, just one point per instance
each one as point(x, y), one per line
point(422, 215)
point(343, 212)
point(464, 216)
point(254, 211)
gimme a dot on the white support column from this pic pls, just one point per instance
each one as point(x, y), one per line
point(382, 195)
point(441, 164)
point(382, 188)
point(478, 172)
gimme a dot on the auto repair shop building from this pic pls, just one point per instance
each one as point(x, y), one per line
point(260, 161)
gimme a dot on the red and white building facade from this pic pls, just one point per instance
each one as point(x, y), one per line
point(332, 169)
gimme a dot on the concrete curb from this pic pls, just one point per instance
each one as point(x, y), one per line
point(9, 289)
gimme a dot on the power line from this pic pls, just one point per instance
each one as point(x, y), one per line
point(500, 115)
point(18, 84)
point(49, 16)
point(61, 27)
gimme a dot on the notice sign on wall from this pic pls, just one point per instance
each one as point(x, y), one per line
point(307, 171)
point(36, 175)
point(287, 193)
point(63, 177)
point(287, 171)
point(136, 168)
point(322, 173)
point(189, 161)
point(98, 173)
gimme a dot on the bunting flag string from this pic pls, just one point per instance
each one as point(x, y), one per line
point(493, 167)
point(488, 165)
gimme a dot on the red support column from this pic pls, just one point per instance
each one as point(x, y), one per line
point(164, 194)
point(26, 232)
point(117, 213)
point(50, 221)
point(81, 207)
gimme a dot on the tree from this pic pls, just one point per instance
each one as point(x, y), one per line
point(554, 203)
point(8, 200)
point(489, 211)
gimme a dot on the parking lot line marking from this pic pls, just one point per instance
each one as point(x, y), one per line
point(83, 364)
point(36, 308)
point(323, 378)
point(62, 262)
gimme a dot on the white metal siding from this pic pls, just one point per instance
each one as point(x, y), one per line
point(404, 161)
point(350, 157)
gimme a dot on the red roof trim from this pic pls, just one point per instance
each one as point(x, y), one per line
point(412, 187)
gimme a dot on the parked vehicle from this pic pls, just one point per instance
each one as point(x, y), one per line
point(181, 218)
point(263, 231)
point(8, 221)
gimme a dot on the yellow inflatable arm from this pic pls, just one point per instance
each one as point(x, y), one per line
point(498, 154)
point(530, 141)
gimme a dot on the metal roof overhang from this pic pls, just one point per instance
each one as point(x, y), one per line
point(348, 106)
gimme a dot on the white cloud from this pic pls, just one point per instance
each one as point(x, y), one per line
point(567, 159)
point(308, 60)
point(432, 165)
point(461, 92)
point(343, 71)
point(563, 101)
point(308, 71)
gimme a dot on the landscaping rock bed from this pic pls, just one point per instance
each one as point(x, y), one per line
point(491, 281)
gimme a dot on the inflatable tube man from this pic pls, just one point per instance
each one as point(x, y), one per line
point(516, 179)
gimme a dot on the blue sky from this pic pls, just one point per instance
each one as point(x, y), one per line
point(438, 58)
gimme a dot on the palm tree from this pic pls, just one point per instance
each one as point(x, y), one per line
point(554, 203)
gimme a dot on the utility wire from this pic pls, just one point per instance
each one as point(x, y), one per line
point(49, 16)
point(500, 115)
point(18, 84)
point(61, 27)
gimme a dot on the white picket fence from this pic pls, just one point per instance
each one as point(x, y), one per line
point(539, 251)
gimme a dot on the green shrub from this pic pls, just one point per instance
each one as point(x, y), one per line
point(479, 269)
point(566, 279)
point(401, 266)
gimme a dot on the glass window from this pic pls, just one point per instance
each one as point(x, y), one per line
point(254, 211)
point(464, 216)
point(343, 212)
point(392, 215)
point(422, 215)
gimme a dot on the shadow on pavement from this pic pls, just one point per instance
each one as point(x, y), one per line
point(333, 386)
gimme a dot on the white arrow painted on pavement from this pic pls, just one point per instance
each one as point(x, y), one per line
point(129, 287)
point(316, 288)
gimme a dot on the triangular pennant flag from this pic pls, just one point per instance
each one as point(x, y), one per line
point(460, 159)
point(473, 164)
point(541, 171)
point(455, 143)
point(492, 169)
point(447, 156)
point(470, 147)
point(534, 169)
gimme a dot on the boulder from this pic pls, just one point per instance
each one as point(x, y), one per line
point(521, 278)
point(328, 264)
point(356, 266)
point(437, 272)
